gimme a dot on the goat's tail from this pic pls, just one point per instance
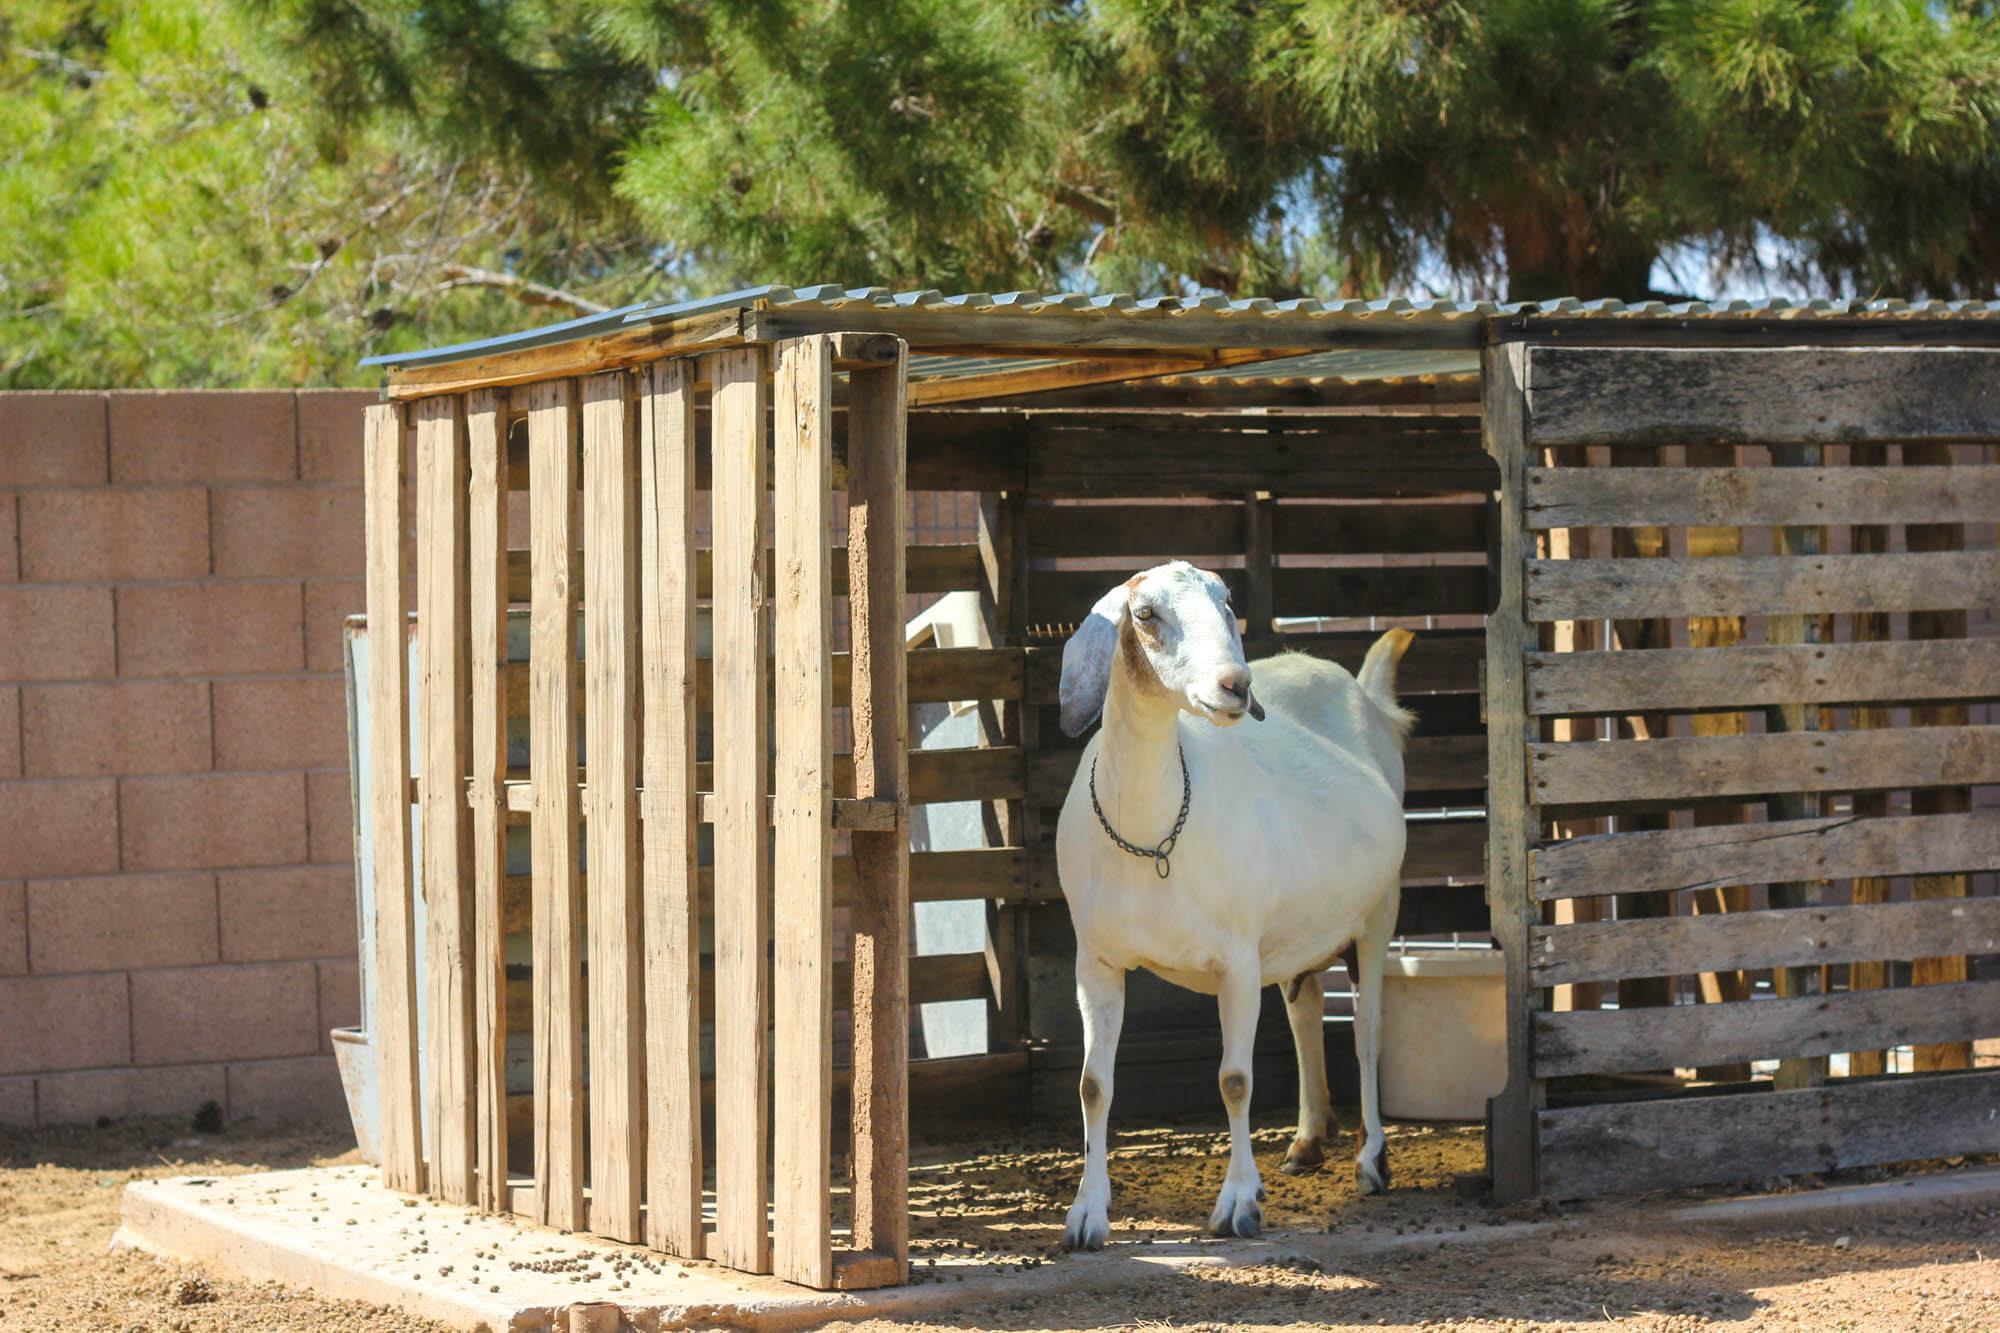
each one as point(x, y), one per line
point(1377, 678)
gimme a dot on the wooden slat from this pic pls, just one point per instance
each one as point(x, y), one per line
point(445, 722)
point(486, 534)
point(672, 906)
point(1624, 1147)
point(1698, 768)
point(1763, 396)
point(1748, 585)
point(1751, 675)
point(1799, 937)
point(1392, 529)
point(1869, 974)
point(1611, 1041)
point(1758, 497)
point(626, 347)
point(559, 908)
point(1134, 531)
point(1064, 597)
point(1512, 822)
point(933, 568)
point(881, 911)
point(388, 804)
point(611, 825)
point(742, 867)
point(1829, 848)
point(802, 901)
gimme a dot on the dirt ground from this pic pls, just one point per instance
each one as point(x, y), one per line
point(1001, 1195)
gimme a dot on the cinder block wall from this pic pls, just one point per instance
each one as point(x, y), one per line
point(176, 880)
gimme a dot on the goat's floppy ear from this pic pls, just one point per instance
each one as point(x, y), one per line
point(1086, 667)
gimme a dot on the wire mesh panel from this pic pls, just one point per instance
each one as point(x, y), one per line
point(1782, 725)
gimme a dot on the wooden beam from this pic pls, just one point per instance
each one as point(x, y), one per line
point(881, 910)
point(672, 905)
point(802, 906)
point(383, 453)
point(1758, 497)
point(1748, 585)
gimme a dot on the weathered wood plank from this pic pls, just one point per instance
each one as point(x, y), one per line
point(672, 905)
point(559, 1003)
point(1612, 1041)
point(1752, 675)
point(611, 818)
point(1764, 396)
point(1390, 529)
point(1512, 821)
point(1831, 848)
point(802, 900)
point(1626, 1147)
point(384, 451)
point(1064, 597)
point(742, 866)
point(1870, 627)
point(933, 568)
point(1191, 531)
point(881, 910)
point(486, 535)
point(1745, 585)
point(1699, 768)
point(1799, 937)
point(444, 717)
point(1758, 497)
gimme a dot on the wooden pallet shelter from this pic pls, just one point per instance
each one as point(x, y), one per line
point(653, 882)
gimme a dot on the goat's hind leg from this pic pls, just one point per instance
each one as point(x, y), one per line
point(1100, 995)
point(1366, 958)
point(1239, 1209)
point(1305, 1006)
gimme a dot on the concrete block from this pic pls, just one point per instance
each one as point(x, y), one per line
point(306, 1088)
point(52, 439)
point(113, 1094)
point(189, 1015)
point(330, 433)
point(225, 435)
point(13, 927)
point(106, 922)
point(105, 535)
point(213, 820)
point(59, 828)
point(10, 731)
point(209, 629)
point(288, 532)
point(54, 1023)
point(10, 538)
point(339, 997)
point(281, 722)
point(115, 730)
point(330, 809)
point(56, 633)
point(328, 605)
point(290, 912)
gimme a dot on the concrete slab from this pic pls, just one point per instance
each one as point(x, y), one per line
point(336, 1231)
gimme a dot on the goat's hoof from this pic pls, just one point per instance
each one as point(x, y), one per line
point(1238, 1214)
point(1371, 1175)
point(1303, 1158)
point(1086, 1233)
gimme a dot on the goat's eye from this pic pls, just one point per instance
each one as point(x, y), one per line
point(1143, 613)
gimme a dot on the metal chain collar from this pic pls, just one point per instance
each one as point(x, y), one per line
point(1161, 854)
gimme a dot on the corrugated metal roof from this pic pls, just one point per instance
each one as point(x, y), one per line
point(1324, 319)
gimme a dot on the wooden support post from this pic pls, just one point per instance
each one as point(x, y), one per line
point(1512, 821)
point(486, 534)
point(1937, 800)
point(742, 838)
point(444, 715)
point(1719, 632)
point(1803, 540)
point(1869, 627)
point(1000, 725)
point(558, 888)
point(802, 897)
point(672, 903)
point(881, 909)
point(1573, 636)
point(401, 1138)
point(1649, 543)
point(611, 808)
point(1259, 564)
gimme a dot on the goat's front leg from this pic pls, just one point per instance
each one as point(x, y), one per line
point(1100, 995)
point(1239, 1209)
point(1305, 1006)
point(1365, 961)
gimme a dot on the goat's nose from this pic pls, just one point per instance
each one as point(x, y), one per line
point(1236, 682)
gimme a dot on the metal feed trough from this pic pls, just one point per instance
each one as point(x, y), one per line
point(1705, 728)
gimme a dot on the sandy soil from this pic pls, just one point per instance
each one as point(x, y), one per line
point(1001, 1195)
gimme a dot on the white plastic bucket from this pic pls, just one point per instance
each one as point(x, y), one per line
point(1444, 1033)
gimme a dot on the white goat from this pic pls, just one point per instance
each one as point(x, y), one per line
point(1227, 860)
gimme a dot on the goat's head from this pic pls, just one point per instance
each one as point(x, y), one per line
point(1171, 630)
